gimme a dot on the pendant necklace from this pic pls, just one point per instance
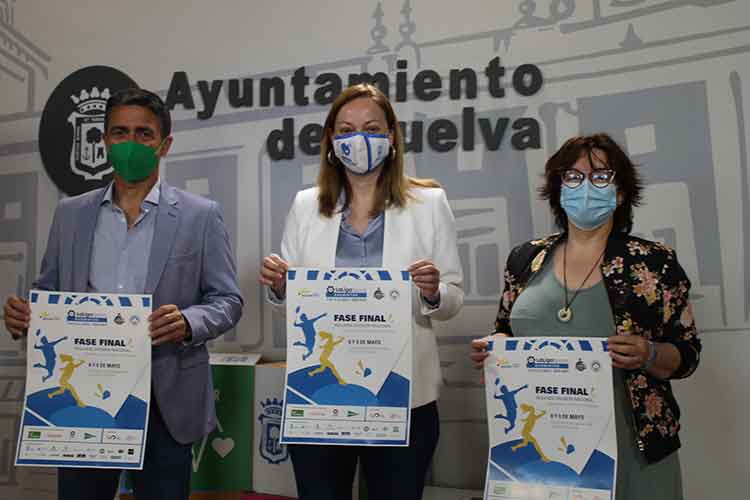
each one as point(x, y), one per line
point(565, 314)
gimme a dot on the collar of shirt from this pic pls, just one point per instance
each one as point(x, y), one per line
point(151, 198)
point(372, 225)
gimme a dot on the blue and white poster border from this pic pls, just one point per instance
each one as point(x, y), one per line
point(88, 381)
point(349, 357)
point(550, 413)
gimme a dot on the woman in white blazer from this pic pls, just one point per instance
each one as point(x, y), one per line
point(365, 212)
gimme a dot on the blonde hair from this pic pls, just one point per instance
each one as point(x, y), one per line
point(393, 186)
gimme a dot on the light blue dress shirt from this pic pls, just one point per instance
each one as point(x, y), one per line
point(355, 250)
point(119, 257)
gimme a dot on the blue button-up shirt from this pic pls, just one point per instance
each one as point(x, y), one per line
point(353, 250)
point(119, 257)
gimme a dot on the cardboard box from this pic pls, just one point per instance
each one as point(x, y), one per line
point(222, 461)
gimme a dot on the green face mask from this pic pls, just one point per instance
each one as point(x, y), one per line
point(133, 161)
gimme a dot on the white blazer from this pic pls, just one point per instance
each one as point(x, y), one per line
point(424, 229)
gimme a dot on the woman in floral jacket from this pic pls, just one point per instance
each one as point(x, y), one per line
point(595, 273)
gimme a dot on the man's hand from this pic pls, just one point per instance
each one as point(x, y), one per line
point(167, 324)
point(17, 316)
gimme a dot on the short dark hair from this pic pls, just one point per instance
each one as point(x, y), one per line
point(140, 97)
point(627, 179)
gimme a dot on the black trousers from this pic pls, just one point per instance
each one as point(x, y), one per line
point(165, 474)
point(391, 473)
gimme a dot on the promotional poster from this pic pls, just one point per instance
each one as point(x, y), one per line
point(550, 412)
point(88, 381)
point(349, 357)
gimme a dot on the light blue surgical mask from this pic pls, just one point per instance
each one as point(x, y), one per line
point(361, 152)
point(587, 206)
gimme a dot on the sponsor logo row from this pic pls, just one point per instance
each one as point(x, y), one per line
point(345, 430)
point(347, 413)
point(82, 435)
point(79, 452)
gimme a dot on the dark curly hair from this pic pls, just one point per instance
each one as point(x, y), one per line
point(627, 179)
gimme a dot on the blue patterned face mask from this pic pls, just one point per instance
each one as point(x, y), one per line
point(361, 152)
point(587, 206)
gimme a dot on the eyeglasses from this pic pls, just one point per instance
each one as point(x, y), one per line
point(600, 177)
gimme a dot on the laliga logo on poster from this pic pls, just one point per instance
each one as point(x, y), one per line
point(541, 363)
point(271, 448)
point(88, 157)
point(345, 292)
point(85, 318)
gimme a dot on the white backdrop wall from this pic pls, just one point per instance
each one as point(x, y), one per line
point(669, 79)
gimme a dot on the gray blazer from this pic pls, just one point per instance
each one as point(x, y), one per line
point(191, 266)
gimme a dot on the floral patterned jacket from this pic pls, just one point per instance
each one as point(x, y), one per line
point(648, 292)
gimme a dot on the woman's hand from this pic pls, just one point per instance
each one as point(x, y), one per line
point(479, 350)
point(633, 352)
point(629, 352)
point(427, 278)
point(273, 274)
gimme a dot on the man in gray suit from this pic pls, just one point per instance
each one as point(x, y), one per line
point(139, 235)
